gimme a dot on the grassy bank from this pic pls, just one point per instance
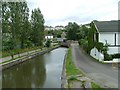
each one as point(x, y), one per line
point(70, 67)
point(17, 51)
point(96, 87)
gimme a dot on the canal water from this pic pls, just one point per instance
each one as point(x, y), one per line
point(43, 71)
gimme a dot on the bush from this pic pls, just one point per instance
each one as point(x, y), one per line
point(116, 55)
point(72, 78)
point(48, 43)
point(99, 46)
point(108, 57)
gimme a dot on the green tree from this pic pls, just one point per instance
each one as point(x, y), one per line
point(25, 28)
point(83, 32)
point(48, 43)
point(91, 42)
point(72, 30)
point(37, 24)
point(17, 30)
point(19, 14)
point(6, 40)
point(14, 22)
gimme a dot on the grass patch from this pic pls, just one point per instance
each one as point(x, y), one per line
point(72, 78)
point(12, 59)
point(70, 67)
point(96, 87)
point(17, 51)
point(9, 60)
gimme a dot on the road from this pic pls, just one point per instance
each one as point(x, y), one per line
point(103, 74)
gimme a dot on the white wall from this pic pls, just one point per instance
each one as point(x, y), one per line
point(113, 50)
point(110, 37)
point(48, 37)
point(107, 36)
point(96, 54)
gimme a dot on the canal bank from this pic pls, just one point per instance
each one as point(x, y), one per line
point(64, 82)
point(22, 59)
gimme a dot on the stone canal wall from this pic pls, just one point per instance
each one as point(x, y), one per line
point(25, 58)
point(63, 76)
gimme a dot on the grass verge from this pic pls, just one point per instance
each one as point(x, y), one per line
point(17, 51)
point(96, 87)
point(70, 67)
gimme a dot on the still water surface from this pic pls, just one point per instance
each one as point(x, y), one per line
point(43, 71)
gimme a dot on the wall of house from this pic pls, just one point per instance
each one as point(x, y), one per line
point(113, 50)
point(110, 37)
point(106, 36)
point(48, 37)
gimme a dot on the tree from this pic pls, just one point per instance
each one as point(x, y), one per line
point(72, 30)
point(17, 30)
point(25, 25)
point(6, 40)
point(83, 32)
point(91, 42)
point(48, 43)
point(37, 22)
point(14, 22)
point(19, 14)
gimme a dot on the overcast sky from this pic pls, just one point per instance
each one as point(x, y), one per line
point(60, 12)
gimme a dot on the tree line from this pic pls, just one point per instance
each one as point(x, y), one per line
point(19, 29)
point(79, 33)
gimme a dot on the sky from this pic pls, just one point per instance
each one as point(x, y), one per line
point(60, 12)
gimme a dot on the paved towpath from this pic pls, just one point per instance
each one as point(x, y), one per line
point(103, 74)
point(21, 54)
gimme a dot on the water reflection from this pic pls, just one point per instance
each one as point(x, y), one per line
point(28, 74)
point(40, 72)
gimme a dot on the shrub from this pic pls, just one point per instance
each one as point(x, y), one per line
point(48, 43)
point(116, 55)
point(107, 57)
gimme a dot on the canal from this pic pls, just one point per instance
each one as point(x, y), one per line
point(43, 71)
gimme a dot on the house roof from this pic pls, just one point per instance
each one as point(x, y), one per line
point(107, 26)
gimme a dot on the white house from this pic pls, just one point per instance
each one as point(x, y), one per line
point(107, 31)
point(63, 35)
point(49, 37)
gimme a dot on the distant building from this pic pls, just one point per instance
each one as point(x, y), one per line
point(63, 35)
point(59, 27)
point(87, 25)
point(60, 39)
point(54, 28)
point(49, 37)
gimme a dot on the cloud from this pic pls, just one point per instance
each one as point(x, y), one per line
point(80, 11)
